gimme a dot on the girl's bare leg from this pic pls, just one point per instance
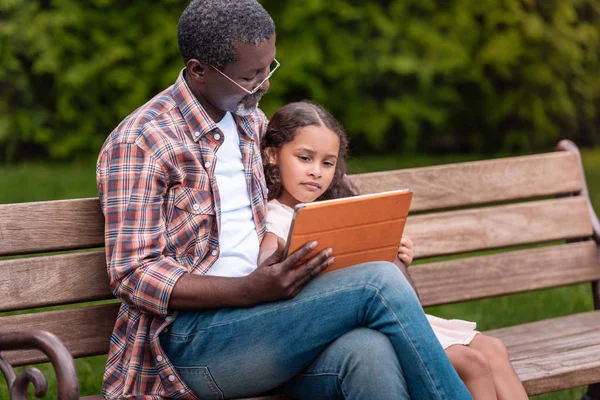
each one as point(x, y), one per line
point(508, 385)
point(475, 371)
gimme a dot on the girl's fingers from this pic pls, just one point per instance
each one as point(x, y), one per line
point(406, 259)
point(405, 250)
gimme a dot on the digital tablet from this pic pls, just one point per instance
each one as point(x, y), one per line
point(359, 229)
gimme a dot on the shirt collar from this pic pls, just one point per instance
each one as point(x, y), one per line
point(196, 117)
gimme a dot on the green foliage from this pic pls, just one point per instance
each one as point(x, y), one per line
point(71, 70)
point(401, 75)
point(429, 75)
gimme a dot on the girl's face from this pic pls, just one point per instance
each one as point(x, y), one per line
point(307, 164)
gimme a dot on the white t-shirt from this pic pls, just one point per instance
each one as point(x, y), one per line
point(238, 239)
point(279, 218)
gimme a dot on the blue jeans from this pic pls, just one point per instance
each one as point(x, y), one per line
point(355, 333)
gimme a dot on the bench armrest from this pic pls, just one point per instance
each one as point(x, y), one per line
point(53, 347)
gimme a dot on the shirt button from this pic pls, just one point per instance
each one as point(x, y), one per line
point(196, 133)
point(159, 358)
point(171, 378)
point(196, 207)
point(217, 136)
point(207, 164)
point(181, 391)
point(169, 318)
point(214, 253)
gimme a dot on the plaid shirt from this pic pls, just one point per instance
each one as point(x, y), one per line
point(158, 191)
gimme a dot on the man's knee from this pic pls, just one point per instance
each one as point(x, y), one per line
point(385, 274)
point(367, 349)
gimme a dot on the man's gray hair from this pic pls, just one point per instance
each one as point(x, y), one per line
point(209, 29)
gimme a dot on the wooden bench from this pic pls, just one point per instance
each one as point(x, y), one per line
point(458, 209)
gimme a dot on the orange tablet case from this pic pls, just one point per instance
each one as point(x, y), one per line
point(359, 229)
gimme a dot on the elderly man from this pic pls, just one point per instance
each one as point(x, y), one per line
point(182, 189)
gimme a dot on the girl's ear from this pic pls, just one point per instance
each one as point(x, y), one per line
point(271, 155)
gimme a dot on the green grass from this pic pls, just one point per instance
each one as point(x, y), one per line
point(37, 182)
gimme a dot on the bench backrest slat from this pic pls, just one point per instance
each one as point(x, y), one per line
point(492, 224)
point(505, 273)
point(480, 182)
point(50, 226)
point(53, 280)
point(460, 231)
point(85, 331)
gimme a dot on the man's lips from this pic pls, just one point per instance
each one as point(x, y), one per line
point(252, 99)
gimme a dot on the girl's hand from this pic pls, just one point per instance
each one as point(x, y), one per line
point(406, 251)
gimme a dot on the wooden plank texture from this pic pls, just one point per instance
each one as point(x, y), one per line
point(505, 273)
point(548, 355)
point(85, 331)
point(53, 280)
point(480, 182)
point(75, 224)
point(276, 397)
point(50, 226)
point(452, 232)
point(555, 354)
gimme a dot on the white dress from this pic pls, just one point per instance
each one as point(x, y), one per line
point(448, 331)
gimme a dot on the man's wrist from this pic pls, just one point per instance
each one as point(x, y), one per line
point(248, 295)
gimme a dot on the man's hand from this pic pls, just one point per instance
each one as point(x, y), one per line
point(277, 279)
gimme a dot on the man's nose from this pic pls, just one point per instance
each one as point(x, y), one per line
point(265, 85)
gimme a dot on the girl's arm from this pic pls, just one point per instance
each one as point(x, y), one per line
point(267, 246)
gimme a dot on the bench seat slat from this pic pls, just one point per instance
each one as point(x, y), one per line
point(505, 273)
point(485, 228)
point(53, 280)
point(276, 397)
point(50, 226)
point(480, 182)
point(85, 331)
point(555, 354)
point(549, 353)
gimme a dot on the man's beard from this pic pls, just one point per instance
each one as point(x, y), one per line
point(249, 104)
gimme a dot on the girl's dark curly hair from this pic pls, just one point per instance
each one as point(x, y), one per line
point(282, 129)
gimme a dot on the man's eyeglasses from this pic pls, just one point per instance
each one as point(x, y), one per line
point(274, 65)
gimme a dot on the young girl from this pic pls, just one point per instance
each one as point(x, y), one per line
point(304, 152)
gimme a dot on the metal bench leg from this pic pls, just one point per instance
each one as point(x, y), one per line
point(593, 392)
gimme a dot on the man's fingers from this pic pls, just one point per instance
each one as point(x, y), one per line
point(320, 258)
point(294, 258)
point(277, 255)
point(320, 268)
point(307, 277)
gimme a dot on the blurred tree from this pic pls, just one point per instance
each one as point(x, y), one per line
point(71, 70)
point(459, 75)
point(401, 75)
